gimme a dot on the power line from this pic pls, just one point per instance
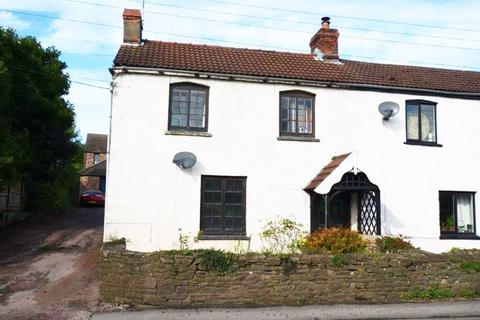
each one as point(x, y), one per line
point(411, 61)
point(422, 63)
point(213, 40)
point(86, 54)
point(212, 20)
point(90, 85)
point(151, 31)
point(93, 79)
point(46, 76)
point(286, 29)
point(293, 22)
point(341, 16)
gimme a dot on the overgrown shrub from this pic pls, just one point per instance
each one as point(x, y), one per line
point(281, 236)
point(334, 241)
point(392, 244)
point(216, 260)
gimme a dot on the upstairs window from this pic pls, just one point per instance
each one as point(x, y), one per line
point(421, 122)
point(188, 107)
point(96, 158)
point(297, 113)
point(457, 214)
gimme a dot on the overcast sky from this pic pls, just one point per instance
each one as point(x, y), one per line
point(453, 42)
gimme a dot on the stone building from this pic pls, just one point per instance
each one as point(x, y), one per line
point(92, 177)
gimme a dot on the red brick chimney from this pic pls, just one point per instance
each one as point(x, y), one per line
point(325, 42)
point(132, 26)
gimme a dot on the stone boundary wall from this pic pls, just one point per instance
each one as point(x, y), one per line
point(167, 279)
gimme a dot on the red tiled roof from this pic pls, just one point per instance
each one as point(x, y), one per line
point(96, 143)
point(296, 66)
point(325, 172)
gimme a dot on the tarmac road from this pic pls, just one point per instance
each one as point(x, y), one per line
point(439, 310)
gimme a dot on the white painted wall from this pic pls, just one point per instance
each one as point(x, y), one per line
point(149, 198)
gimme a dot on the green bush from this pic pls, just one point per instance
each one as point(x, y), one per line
point(216, 260)
point(392, 244)
point(334, 241)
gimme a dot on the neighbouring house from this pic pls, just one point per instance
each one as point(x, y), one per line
point(220, 140)
point(93, 175)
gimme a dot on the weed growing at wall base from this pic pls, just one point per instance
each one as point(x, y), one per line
point(289, 266)
point(434, 292)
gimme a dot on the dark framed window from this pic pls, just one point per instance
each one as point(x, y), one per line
point(188, 107)
point(297, 113)
point(421, 122)
point(96, 158)
point(457, 214)
point(223, 202)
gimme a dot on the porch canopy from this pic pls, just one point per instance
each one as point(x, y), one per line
point(332, 173)
point(341, 195)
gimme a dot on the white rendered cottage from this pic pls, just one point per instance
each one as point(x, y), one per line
point(280, 134)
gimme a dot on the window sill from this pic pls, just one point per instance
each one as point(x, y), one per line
point(223, 237)
point(297, 138)
point(423, 143)
point(187, 133)
point(459, 236)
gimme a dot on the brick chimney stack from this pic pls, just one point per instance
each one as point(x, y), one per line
point(132, 26)
point(325, 42)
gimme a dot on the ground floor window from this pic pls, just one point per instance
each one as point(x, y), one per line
point(457, 214)
point(223, 205)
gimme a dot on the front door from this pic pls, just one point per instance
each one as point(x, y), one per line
point(339, 211)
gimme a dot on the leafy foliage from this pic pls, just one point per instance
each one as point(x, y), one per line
point(434, 292)
point(288, 264)
point(38, 141)
point(338, 261)
point(334, 241)
point(282, 235)
point(470, 265)
point(392, 244)
point(216, 260)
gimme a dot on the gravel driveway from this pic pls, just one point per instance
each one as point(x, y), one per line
point(48, 270)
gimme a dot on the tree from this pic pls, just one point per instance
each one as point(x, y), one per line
point(38, 140)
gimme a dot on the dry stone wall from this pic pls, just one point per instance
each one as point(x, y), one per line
point(167, 279)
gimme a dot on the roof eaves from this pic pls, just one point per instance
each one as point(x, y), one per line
point(299, 81)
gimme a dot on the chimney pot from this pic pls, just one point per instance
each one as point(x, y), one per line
point(325, 42)
point(132, 26)
point(326, 23)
